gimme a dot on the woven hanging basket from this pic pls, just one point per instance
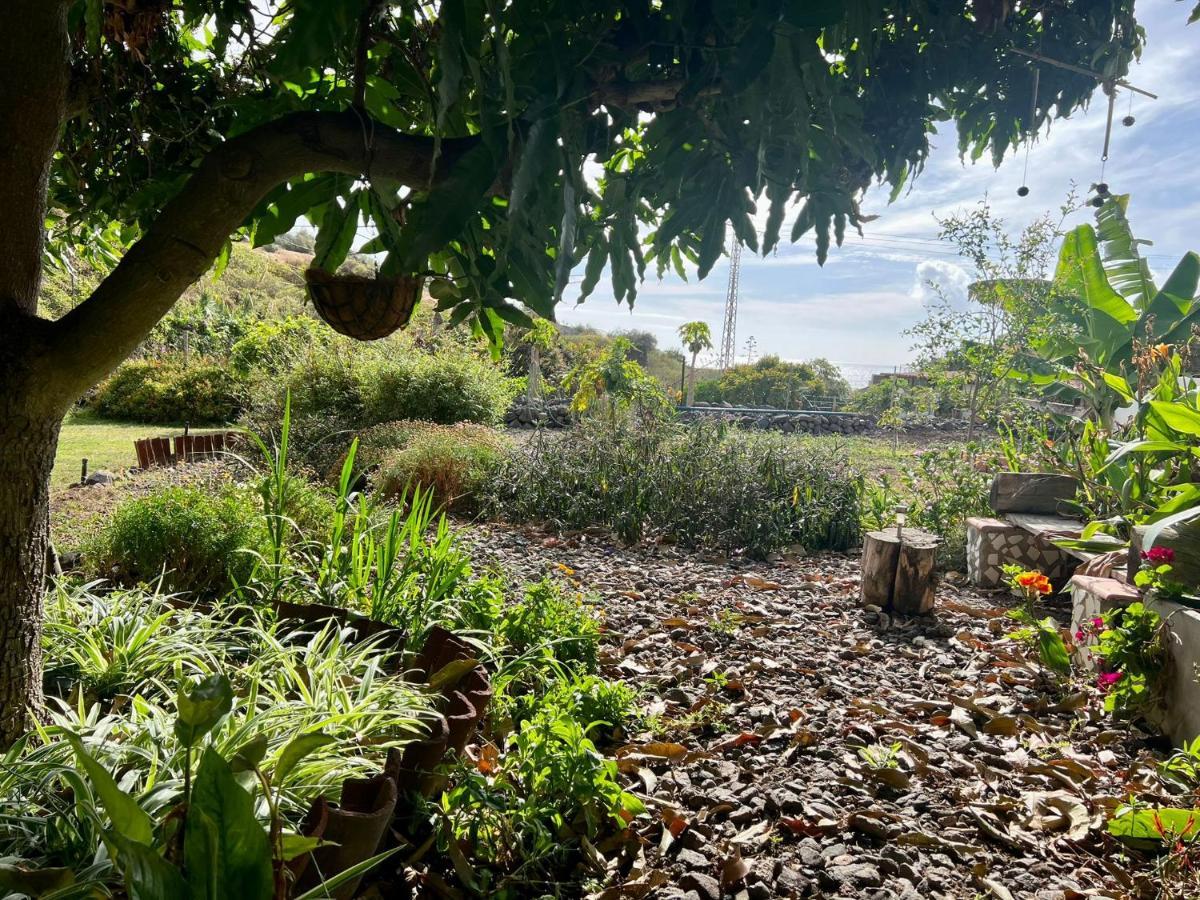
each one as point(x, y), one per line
point(365, 309)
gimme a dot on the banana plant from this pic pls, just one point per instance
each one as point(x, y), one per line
point(1106, 303)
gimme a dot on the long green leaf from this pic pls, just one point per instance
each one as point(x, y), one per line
point(1177, 417)
point(148, 876)
point(1127, 272)
point(325, 891)
point(1081, 272)
point(127, 817)
point(298, 748)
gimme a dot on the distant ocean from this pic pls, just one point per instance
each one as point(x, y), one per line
point(859, 374)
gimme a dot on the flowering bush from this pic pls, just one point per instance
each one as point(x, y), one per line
point(1154, 572)
point(1129, 649)
point(1040, 635)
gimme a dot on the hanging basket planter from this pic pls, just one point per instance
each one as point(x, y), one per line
point(363, 308)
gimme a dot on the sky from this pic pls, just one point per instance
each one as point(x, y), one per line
point(854, 310)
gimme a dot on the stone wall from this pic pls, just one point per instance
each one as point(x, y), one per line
point(789, 422)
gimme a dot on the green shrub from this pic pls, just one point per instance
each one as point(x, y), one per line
point(276, 346)
point(591, 701)
point(452, 385)
point(565, 627)
point(456, 462)
point(164, 391)
point(351, 387)
point(704, 484)
point(946, 487)
point(193, 535)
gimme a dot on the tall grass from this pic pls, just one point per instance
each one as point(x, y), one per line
point(705, 484)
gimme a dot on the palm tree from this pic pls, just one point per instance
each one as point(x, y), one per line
point(696, 337)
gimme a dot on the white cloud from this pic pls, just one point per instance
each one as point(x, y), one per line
point(934, 279)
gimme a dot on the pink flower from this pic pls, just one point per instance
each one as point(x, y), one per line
point(1105, 680)
point(1159, 556)
point(1097, 622)
point(1079, 635)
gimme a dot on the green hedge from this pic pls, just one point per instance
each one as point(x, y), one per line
point(159, 391)
point(199, 541)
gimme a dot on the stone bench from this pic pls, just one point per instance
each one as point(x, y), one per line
point(994, 543)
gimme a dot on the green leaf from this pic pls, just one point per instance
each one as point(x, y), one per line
point(226, 849)
point(325, 890)
point(335, 237)
point(127, 817)
point(1177, 417)
point(1127, 272)
point(1052, 649)
point(594, 268)
point(298, 748)
point(202, 705)
point(295, 845)
point(1155, 824)
point(1081, 271)
point(18, 879)
point(538, 158)
point(250, 754)
point(444, 213)
point(148, 876)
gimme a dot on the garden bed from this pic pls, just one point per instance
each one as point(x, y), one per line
point(794, 744)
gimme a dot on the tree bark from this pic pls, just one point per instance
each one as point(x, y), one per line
point(27, 445)
point(33, 88)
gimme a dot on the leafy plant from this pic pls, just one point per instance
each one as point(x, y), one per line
point(702, 484)
point(1042, 635)
point(164, 390)
point(880, 755)
point(197, 541)
point(1133, 651)
point(945, 487)
point(549, 620)
point(525, 808)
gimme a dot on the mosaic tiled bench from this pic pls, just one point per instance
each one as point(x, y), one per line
point(995, 543)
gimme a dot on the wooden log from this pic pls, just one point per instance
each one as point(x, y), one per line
point(1184, 539)
point(916, 584)
point(1031, 492)
point(880, 551)
point(898, 571)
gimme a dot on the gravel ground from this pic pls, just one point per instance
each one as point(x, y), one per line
point(795, 744)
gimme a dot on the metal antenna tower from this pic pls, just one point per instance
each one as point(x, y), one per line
point(729, 330)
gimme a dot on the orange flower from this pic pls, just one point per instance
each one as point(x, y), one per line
point(1161, 351)
point(1035, 582)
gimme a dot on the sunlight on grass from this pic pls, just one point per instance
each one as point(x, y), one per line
point(106, 444)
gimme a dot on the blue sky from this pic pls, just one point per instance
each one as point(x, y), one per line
point(853, 310)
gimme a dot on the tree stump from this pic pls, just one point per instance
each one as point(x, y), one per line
point(898, 572)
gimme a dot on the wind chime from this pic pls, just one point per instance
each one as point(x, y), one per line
point(1110, 86)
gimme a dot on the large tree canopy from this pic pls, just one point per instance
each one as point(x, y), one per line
point(461, 130)
point(490, 144)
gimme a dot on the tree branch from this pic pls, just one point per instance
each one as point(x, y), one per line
point(189, 233)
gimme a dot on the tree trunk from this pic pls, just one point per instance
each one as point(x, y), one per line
point(971, 411)
point(27, 445)
point(691, 390)
point(33, 85)
point(534, 388)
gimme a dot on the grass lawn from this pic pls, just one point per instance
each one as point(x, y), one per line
point(106, 444)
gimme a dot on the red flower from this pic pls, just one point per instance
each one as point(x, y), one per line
point(1105, 680)
point(1159, 556)
point(1079, 635)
